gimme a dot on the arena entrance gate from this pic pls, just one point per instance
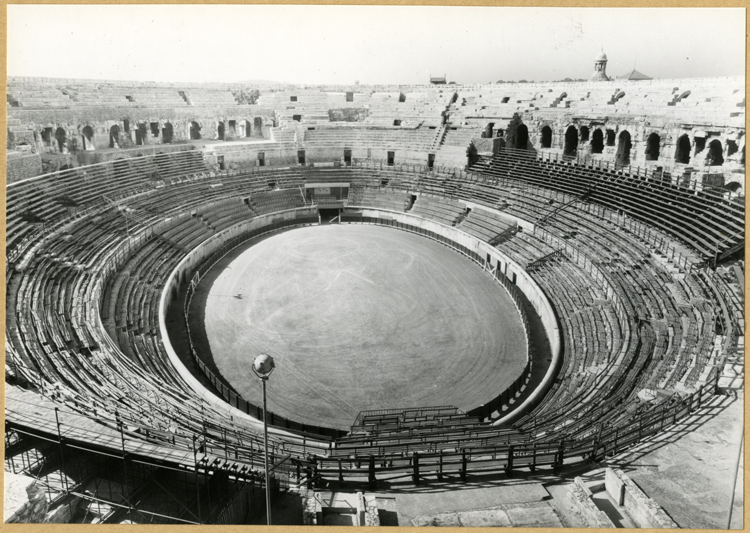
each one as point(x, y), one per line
point(329, 215)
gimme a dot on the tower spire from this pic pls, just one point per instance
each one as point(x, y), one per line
point(600, 67)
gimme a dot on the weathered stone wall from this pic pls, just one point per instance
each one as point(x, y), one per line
point(64, 511)
point(145, 127)
point(92, 158)
point(639, 129)
point(644, 511)
point(348, 114)
point(25, 500)
point(311, 509)
point(276, 154)
point(372, 517)
point(584, 506)
point(151, 122)
point(22, 167)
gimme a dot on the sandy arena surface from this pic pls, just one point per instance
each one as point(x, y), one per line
point(362, 317)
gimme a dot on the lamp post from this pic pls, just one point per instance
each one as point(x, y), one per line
point(262, 367)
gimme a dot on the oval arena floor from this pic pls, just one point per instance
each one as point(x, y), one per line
point(360, 317)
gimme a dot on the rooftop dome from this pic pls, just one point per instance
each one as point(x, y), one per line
point(601, 56)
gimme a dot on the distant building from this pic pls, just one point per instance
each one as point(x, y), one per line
point(600, 68)
point(634, 75)
point(438, 80)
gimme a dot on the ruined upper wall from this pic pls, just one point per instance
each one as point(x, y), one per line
point(668, 123)
point(102, 114)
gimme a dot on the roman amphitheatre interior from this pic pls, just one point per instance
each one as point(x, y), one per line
point(505, 304)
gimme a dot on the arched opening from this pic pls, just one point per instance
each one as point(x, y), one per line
point(715, 155)
point(47, 136)
point(623, 149)
point(87, 138)
point(597, 142)
point(731, 147)
point(62, 139)
point(571, 142)
point(733, 186)
point(220, 131)
point(488, 131)
point(584, 134)
point(700, 143)
point(610, 137)
point(258, 126)
point(652, 147)
point(682, 153)
point(195, 131)
point(246, 128)
point(140, 134)
point(522, 137)
point(471, 155)
point(114, 136)
point(167, 133)
point(546, 137)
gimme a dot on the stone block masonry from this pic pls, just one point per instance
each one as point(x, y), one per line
point(583, 505)
point(22, 167)
point(644, 511)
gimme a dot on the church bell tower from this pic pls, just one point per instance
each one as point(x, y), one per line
point(600, 67)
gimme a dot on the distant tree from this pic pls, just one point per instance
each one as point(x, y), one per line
point(247, 97)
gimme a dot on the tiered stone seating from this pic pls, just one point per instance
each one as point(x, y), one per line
point(683, 214)
point(280, 200)
point(709, 100)
point(461, 136)
point(630, 317)
point(124, 94)
point(40, 204)
point(485, 224)
point(186, 233)
point(376, 197)
point(224, 214)
point(36, 95)
point(418, 139)
point(442, 210)
point(210, 97)
point(394, 432)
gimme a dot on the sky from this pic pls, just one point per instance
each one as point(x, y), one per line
point(369, 44)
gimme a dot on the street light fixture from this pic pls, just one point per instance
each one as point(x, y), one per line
point(262, 367)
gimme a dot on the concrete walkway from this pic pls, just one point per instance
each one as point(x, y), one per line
point(690, 468)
